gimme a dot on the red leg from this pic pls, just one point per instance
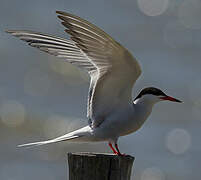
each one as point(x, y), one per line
point(114, 151)
point(118, 151)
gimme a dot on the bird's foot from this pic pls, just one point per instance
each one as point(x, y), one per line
point(116, 151)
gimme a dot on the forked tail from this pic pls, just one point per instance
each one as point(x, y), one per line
point(77, 135)
point(59, 139)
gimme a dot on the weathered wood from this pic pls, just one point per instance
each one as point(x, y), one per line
point(92, 166)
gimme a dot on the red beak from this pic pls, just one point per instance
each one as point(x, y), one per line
point(169, 98)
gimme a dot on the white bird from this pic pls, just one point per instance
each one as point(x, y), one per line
point(113, 71)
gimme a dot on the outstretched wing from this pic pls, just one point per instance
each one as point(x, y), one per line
point(112, 68)
point(56, 46)
point(116, 69)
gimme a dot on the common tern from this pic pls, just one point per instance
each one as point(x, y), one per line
point(113, 71)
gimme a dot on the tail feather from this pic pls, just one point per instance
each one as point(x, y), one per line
point(78, 135)
point(59, 139)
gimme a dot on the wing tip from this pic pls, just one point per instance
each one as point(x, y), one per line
point(30, 144)
point(16, 32)
point(25, 145)
point(20, 145)
point(61, 12)
point(10, 31)
point(65, 14)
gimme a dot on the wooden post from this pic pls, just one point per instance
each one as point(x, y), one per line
point(91, 166)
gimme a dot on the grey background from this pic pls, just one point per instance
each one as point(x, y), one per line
point(41, 97)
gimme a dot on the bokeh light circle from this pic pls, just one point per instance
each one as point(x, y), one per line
point(178, 141)
point(153, 7)
point(152, 173)
point(189, 14)
point(12, 113)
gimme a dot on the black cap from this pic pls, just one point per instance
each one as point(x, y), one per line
point(150, 90)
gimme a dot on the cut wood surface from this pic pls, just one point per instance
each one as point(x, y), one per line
point(92, 166)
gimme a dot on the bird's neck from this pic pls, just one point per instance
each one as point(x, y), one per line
point(145, 102)
point(143, 109)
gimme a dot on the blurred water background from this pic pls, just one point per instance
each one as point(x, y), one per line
point(42, 97)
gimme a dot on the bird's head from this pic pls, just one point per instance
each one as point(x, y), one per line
point(153, 95)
